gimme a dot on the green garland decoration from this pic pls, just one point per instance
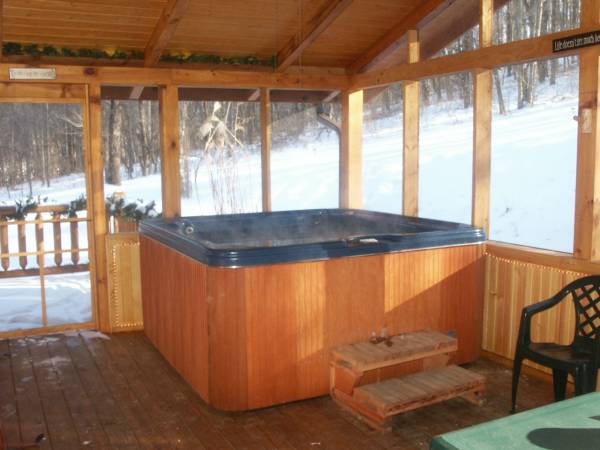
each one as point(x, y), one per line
point(79, 204)
point(37, 50)
point(24, 207)
point(215, 59)
point(18, 49)
point(117, 206)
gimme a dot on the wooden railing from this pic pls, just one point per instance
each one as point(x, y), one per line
point(58, 216)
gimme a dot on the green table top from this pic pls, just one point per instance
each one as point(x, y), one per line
point(572, 424)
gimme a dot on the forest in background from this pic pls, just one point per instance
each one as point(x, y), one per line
point(40, 142)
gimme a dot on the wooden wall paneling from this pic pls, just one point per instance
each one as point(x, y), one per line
point(510, 286)
point(285, 332)
point(272, 327)
point(410, 161)
point(308, 288)
point(265, 147)
point(176, 311)
point(355, 289)
point(228, 344)
point(558, 260)
point(124, 282)
point(170, 150)
point(97, 229)
point(351, 176)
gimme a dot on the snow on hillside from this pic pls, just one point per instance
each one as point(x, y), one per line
point(533, 187)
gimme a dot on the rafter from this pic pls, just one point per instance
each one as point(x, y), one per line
point(310, 32)
point(389, 42)
point(448, 26)
point(164, 30)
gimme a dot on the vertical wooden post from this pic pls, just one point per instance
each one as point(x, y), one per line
point(486, 22)
point(169, 140)
point(351, 182)
point(96, 207)
point(482, 127)
point(410, 165)
point(1, 27)
point(587, 203)
point(265, 147)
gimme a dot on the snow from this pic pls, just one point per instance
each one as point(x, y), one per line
point(68, 300)
point(533, 187)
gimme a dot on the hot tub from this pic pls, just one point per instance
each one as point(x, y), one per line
point(246, 307)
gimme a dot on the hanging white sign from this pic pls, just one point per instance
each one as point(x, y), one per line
point(31, 74)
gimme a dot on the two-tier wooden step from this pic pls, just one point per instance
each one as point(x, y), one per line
point(361, 376)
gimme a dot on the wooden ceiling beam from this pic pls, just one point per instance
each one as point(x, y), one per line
point(164, 30)
point(389, 42)
point(241, 79)
point(308, 33)
point(482, 58)
point(451, 24)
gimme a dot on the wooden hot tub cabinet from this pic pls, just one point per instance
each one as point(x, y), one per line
point(251, 337)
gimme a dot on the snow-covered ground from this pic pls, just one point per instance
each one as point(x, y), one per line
point(533, 186)
point(68, 300)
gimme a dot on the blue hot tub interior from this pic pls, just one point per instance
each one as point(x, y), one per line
point(239, 240)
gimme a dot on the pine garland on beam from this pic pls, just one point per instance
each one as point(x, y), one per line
point(37, 50)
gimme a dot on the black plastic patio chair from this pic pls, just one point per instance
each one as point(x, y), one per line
point(581, 358)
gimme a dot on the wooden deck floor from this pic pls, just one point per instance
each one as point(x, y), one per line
point(83, 390)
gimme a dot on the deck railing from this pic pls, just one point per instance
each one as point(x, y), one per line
point(58, 216)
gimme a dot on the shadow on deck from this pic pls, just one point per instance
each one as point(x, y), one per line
point(89, 391)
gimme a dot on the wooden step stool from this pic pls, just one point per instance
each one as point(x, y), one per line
point(420, 358)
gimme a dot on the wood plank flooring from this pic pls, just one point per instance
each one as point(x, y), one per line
point(90, 391)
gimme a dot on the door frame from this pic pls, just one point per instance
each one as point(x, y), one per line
point(88, 97)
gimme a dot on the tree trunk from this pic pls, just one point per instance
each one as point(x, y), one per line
point(499, 96)
point(113, 169)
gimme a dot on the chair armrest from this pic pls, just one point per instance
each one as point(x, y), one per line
point(542, 306)
point(524, 337)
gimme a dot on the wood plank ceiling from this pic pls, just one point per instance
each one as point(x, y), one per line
point(328, 33)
